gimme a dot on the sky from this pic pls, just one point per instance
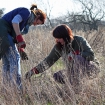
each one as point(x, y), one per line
point(59, 7)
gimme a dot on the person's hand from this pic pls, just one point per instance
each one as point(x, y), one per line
point(59, 77)
point(22, 54)
point(30, 73)
point(72, 54)
point(20, 41)
point(76, 52)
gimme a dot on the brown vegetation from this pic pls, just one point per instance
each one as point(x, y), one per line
point(43, 90)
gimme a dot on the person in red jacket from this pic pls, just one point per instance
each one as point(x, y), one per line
point(75, 52)
point(12, 26)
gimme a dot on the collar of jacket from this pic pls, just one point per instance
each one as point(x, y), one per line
point(31, 19)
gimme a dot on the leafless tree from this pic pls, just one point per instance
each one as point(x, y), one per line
point(47, 6)
point(90, 15)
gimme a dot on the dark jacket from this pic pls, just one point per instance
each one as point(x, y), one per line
point(4, 42)
point(78, 44)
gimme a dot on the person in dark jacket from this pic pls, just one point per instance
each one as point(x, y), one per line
point(75, 51)
point(13, 25)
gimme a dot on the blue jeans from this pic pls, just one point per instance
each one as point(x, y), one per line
point(11, 66)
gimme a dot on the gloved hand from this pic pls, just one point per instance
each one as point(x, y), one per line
point(76, 52)
point(72, 54)
point(59, 77)
point(22, 54)
point(30, 73)
point(20, 41)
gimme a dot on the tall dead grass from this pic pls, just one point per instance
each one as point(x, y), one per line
point(43, 90)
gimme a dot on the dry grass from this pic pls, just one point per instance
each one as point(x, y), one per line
point(43, 90)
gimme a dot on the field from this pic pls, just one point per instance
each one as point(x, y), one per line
point(42, 89)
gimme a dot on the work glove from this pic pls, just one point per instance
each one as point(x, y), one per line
point(59, 77)
point(22, 54)
point(20, 41)
point(30, 73)
point(72, 54)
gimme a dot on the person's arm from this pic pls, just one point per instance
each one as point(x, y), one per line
point(54, 55)
point(15, 22)
point(86, 50)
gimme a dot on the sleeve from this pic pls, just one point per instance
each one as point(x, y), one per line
point(86, 50)
point(17, 19)
point(54, 55)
